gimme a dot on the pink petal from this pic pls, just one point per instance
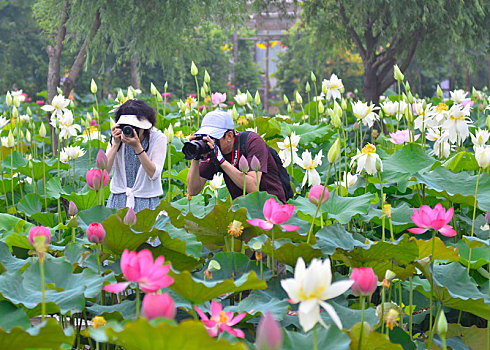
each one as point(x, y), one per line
point(201, 314)
point(449, 215)
point(268, 207)
point(448, 231)
point(216, 309)
point(116, 287)
point(417, 230)
point(233, 331)
point(266, 226)
point(290, 227)
point(237, 319)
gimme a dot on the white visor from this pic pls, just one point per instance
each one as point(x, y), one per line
point(131, 119)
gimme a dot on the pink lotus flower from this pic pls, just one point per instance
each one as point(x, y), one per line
point(269, 333)
point(166, 95)
point(231, 103)
point(201, 107)
point(158, 305)
point(316, 193)
point(468, 102)
point(365, 281)
point(93, 122)
point(95, 233)
point(401, 136)
point(191, 95)
point(437, 218)
point(130, 217)
point(140, 268)
point(101, 160)
point(218, 98)
point(37, 231)
point(94, 177)
point(275, 214)
point(28, 99)
point(221, 321)
point(39, 102)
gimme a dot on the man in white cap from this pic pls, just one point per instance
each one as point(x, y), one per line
point(226, 149)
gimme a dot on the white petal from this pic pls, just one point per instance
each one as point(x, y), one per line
point(336, 289)
point(309, 320)
point(332, 313)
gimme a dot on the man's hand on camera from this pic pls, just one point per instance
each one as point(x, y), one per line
point(215, 155)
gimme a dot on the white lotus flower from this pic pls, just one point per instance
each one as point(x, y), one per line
point(482, 155)
point(241, 99)
point(20, 96)
point(333, 87)
point(395, 108)
point(285, 149)
point(424, 118)
point(92, 134)
point(442, 148)
point(348, 180)
point(480, 138)
point(25, 118)
point(367, 160)
point(457, 124)
point(74, 152)
point(440, 113)
point(58, 106)
point(309, 164)
point(3, 121)
point(216, 183)
point(8, 141)
point(311, 287)
point(365, 113)
point(458, 96)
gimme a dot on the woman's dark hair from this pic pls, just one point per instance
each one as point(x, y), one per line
point(140, 108)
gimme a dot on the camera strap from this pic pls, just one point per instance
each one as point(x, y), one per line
point(236, 150)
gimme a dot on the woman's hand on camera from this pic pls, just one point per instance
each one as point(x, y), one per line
point(132, 141)
point(116, 133)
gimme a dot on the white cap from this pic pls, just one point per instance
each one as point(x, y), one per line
point(131, 119)
point(216, 123)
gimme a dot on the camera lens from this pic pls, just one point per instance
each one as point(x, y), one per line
point(195, 149)
point(128, 130)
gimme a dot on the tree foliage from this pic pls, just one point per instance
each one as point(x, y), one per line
point(401, 28)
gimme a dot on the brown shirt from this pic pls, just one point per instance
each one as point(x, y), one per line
point(256, 146)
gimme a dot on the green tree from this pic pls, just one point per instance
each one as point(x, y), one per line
point(23, 57)
point(401, 28)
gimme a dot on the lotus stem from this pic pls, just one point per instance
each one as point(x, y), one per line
point(97, 253)
point(43, 289)
point(244, 184)
point(3, 185)
point(315, 339)
point(137, 302)
point(12, 176)
point(197, 95)
point(474, 215)
point(362, 323)
point(169, 157)
point(431, 333)
point(410, 316)
point(319, 204)
point(272, 255)
point(44, 181)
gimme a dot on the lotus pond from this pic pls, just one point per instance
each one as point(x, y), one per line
point(384, 245)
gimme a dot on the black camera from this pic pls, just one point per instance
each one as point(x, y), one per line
point(196, 148)
point(127, 130)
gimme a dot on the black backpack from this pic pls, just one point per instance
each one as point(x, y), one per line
point(283, 173)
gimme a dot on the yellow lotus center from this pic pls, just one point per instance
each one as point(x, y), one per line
point(89, 131)
point(334, 86)
point(315, 293)
point(368, 149)
point(441, 107)
point(311, 166)
point(223, 318)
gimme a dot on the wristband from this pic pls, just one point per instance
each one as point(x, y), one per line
point(140, 152)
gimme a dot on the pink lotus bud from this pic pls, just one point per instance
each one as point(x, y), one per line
point(269, 333)
point(158, 305)
point(93, 122)
point(255, 164)
point(39, 102)
point(365, 281)
point(130, 217)
point(243, 165)
point(166, 95)
point(356, 126)
point(316, 193)
point(72, 209)
point(94, 177)
point(37, 231)
point(95, 233)
point(101, 160)
point(487, 217)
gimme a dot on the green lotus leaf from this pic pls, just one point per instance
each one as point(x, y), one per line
point(479, 255)
point(30, 204)
point(473, 337)
point(10, 263)
point(371, 339)
point(119, 236)
point(48, 335)
point(199, 291)
point(454, 288)
point(259, 301)
point(441, 251)
point(400, 218)
point(309, 133)
point(335, 236)
point(97, 213)
point(457, 187)
point(331, 338)
point(463, 160)
point(397, 256)
point(25, 289)
point(288, 253)
point(189, 334)
point(12, 316)
point(119, 312)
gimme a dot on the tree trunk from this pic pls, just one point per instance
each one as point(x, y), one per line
point(135, 74)
point(370, 85)
point(80, 59)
